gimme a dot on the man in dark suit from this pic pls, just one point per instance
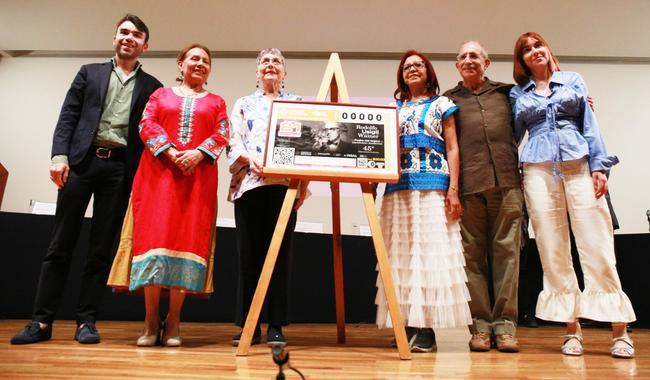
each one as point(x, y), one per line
point(95, 151)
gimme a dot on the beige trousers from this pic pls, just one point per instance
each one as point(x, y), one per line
point(491, 230)
point(552, 201)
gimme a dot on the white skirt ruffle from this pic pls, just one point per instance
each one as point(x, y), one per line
point(427, 263)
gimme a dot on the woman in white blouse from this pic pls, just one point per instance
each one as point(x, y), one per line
point(258, 199)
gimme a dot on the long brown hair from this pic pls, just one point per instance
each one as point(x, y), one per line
point(402, 92)
point(520, 71)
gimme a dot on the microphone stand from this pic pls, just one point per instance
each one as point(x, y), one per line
point(281, 358)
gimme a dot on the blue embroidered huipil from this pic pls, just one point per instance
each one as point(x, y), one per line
point(422, 149)
point(249, 123)
point(562, 126)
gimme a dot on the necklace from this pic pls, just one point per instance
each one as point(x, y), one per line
point(191, 93)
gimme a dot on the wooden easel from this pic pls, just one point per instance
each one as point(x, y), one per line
point(334, 83)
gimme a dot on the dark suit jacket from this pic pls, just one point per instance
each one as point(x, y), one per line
point(82, 110)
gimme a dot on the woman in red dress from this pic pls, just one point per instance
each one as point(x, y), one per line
point(174, 198)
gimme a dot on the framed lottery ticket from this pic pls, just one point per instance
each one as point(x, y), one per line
point(332, 141)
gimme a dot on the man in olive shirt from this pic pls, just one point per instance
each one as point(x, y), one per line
point(492, 200)
point(95, 152)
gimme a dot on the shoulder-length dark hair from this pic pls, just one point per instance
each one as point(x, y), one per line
point(520, 72)
point(402, 92)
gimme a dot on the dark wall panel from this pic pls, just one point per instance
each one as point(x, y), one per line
point(24, 239)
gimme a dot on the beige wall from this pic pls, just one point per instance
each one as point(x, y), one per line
point(32, 90)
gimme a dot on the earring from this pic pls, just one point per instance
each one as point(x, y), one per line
point(257, 83)
point(283, 85)
point(179, 78)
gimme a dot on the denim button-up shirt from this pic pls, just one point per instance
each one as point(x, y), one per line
point(562, 126)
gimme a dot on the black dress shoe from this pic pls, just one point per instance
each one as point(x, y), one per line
point(257, 337)
point(87, 333)
point(32, 333)
point(528, 320)
point(274, 337)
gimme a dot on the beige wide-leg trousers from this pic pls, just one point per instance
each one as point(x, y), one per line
point(552, 201)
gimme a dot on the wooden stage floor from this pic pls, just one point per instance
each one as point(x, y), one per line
point(207, 354)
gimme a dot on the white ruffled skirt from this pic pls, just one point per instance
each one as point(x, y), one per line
point(427, 263)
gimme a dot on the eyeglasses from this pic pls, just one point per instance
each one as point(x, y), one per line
point(271, 61)
point(417, 65)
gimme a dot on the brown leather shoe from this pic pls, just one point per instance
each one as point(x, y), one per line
point(507, 343)
point(480, 342)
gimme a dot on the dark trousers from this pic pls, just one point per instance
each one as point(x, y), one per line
point(105, 180)
point(256, 213)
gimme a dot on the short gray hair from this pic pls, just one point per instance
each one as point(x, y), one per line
point(274, 51)
point(480, 46)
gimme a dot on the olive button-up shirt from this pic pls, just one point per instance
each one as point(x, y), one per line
point(488, 151)
point(114, 122)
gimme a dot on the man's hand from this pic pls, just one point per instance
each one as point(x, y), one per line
point(59, 173)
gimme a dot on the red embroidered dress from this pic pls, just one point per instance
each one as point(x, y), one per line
point(174, 214)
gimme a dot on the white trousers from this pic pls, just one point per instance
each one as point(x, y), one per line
point(552, 200)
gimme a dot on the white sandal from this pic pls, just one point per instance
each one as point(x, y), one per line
point(572, 350)
point(622, 352)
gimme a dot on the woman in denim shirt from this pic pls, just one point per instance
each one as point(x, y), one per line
point(565, 162)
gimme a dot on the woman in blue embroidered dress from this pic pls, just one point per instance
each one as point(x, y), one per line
point(258, 199)
point(565, 162)
point(419, 214)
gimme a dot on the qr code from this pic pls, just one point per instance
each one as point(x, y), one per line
point(362, 162)
point(283, 156)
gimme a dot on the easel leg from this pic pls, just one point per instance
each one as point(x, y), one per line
point(267, 269)
point(338, 263)
point(384, 271)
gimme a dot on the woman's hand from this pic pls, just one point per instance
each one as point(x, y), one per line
point(171, 153)
point(255, 166)
point(303, 191)
point(600, 183)
point(187, 160)
point(452, 204)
